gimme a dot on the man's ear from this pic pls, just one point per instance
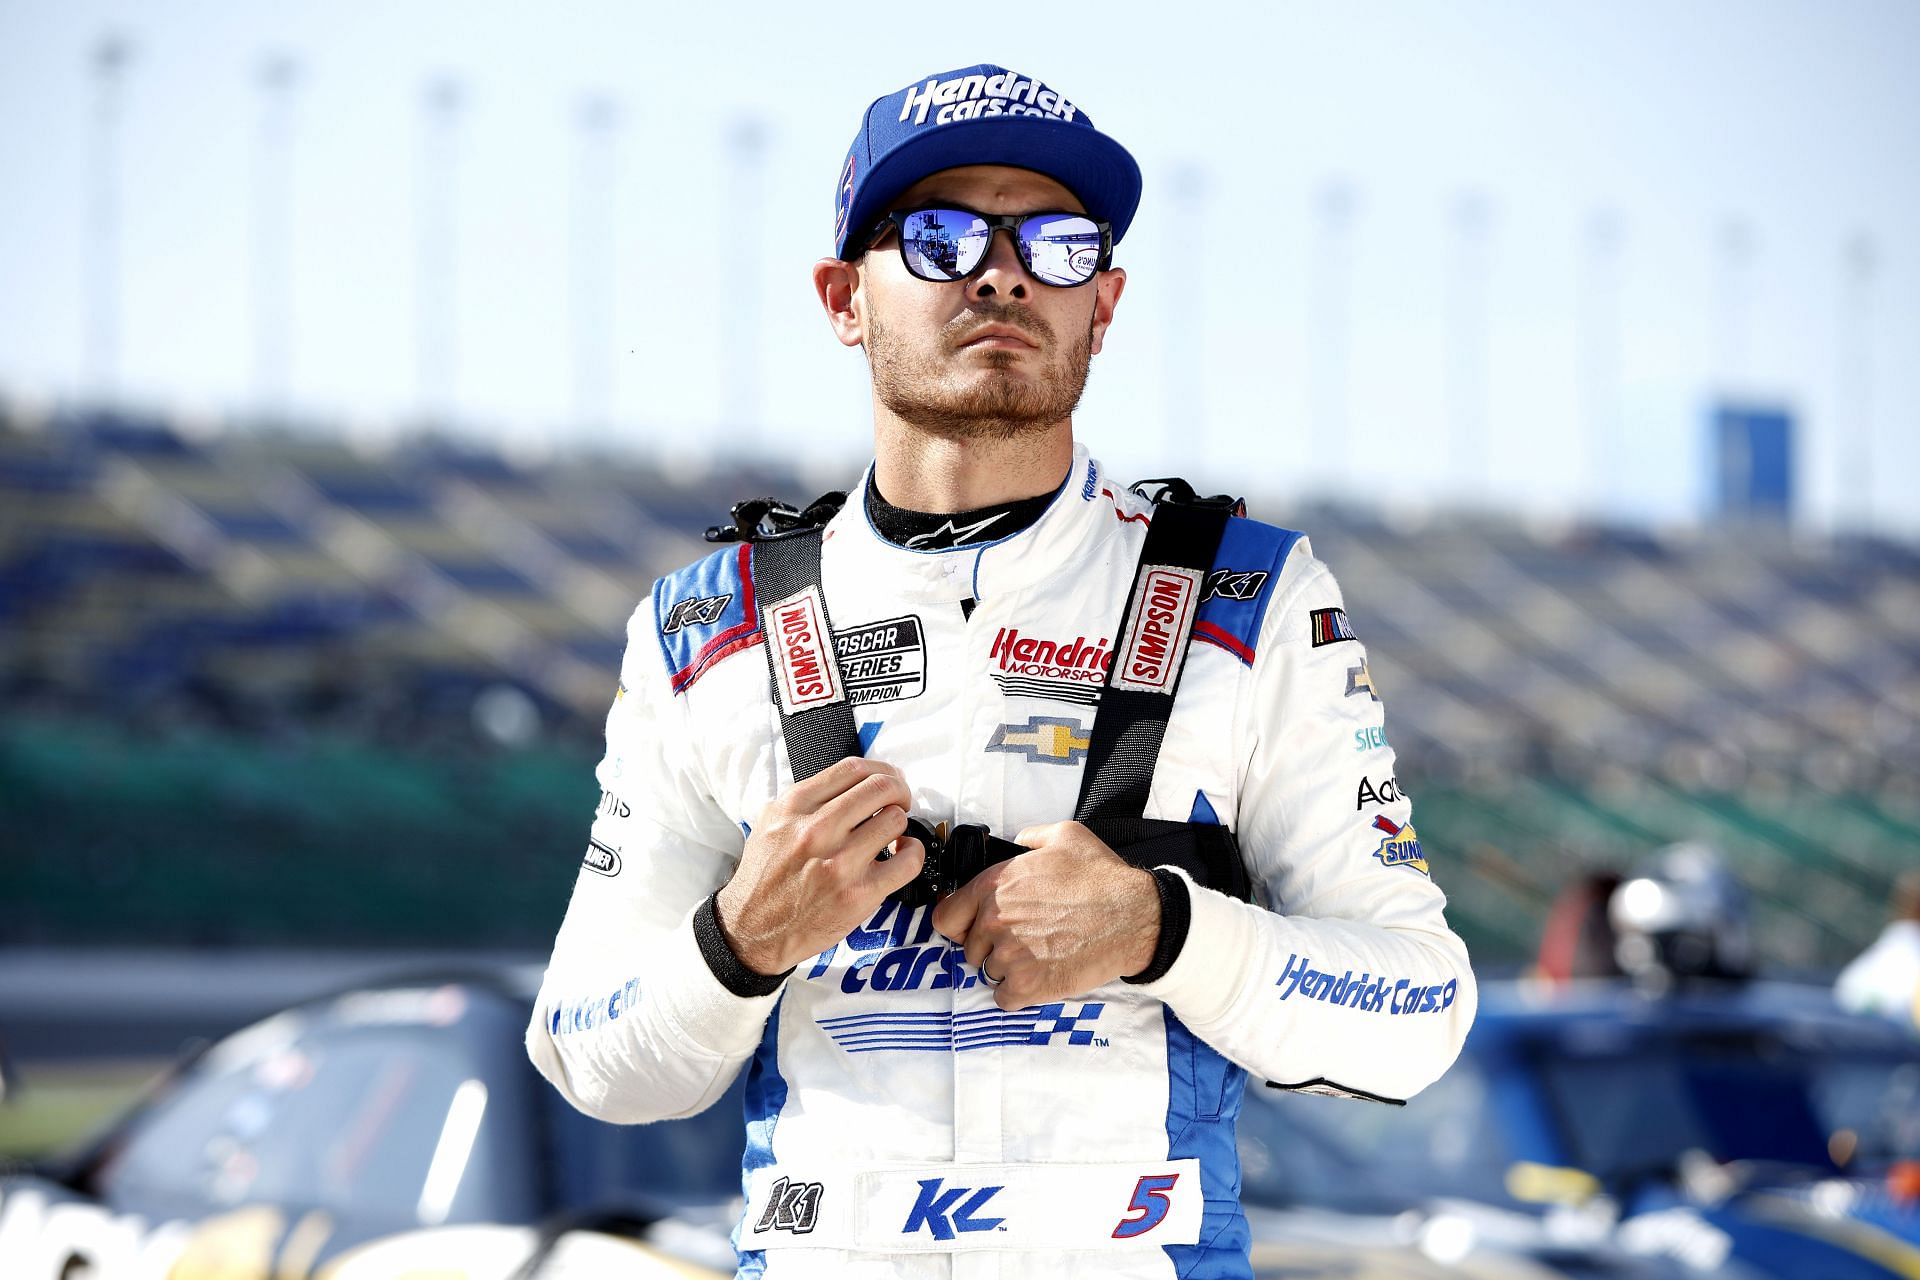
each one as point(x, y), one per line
point(1106, 296)
point(838, 284)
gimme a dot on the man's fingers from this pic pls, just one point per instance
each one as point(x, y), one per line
point(809, 794)
point(894, 874)
point(953, 916)
point(861, 801)
point(1034, 837)
point(872, 836)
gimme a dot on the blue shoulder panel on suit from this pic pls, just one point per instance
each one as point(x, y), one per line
point(1245, 569)
point(705, 612)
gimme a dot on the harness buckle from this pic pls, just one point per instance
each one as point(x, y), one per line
point(965, 851)
point(1174, 491)
point(770, 519)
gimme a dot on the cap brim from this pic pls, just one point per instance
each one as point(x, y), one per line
point(1098, 170)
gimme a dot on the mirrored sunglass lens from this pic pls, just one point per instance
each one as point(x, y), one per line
point(942, 244)
point(1064, 248)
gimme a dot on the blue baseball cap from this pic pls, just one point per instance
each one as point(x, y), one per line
point(978, 115)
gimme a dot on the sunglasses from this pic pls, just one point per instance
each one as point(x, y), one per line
point(947, 244)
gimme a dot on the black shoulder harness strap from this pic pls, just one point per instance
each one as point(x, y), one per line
point(803, 669)
point(815, 716)
point(1137, 698)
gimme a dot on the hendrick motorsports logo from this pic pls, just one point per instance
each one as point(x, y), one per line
point(1063, 670)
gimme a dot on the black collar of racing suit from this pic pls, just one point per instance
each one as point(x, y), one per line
point(939, 531)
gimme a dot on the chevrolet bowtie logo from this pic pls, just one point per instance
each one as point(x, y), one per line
point(1360, 680)
point(1043, 739)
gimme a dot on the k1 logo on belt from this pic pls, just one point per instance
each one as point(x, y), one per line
point(958, 1207)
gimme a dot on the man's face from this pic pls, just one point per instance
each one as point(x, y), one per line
point(995, 355)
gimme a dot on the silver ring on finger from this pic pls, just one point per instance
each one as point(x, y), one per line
point(988, 978)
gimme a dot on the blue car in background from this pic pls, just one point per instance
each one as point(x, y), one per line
point(1732, 1128)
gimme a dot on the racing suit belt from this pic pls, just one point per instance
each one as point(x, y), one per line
point(954, 1208)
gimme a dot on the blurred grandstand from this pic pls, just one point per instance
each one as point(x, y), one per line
point(269, 688)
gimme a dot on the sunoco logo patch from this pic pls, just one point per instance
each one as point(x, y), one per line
point(1401, 848)
point(883, 661)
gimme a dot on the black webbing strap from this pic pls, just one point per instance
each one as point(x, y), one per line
point(1149, 655)
point(785, 569)
point(1209, 854)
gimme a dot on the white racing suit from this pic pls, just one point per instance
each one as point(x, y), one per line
point(898, 1122)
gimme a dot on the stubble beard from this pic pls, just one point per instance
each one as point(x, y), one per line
point(917, 386)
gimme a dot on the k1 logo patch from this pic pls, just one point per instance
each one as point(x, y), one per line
point(792, 1207)
point(697, 611)
point(1233, 584)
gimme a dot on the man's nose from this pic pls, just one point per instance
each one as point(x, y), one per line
point(1003, 272)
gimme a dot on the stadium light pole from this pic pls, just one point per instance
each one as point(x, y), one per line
point(1735, 250)
point(740, 360)
point(1330, 302)
point(1468, 346)
point(436, 301)
point(1860, 261)
point(273, 240)
point(101, 351)
point(1599, 319)
point(594, 264)
point(1186, 324)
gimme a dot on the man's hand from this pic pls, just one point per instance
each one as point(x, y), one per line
point(1055, 922)
point(809, 875)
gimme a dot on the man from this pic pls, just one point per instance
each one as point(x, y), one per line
point(1040, 1074)
point(1885, 978)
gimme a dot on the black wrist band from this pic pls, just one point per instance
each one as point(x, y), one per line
point(1176, 917)
point(718, 954)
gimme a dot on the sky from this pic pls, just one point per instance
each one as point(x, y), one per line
point(1494, 253)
